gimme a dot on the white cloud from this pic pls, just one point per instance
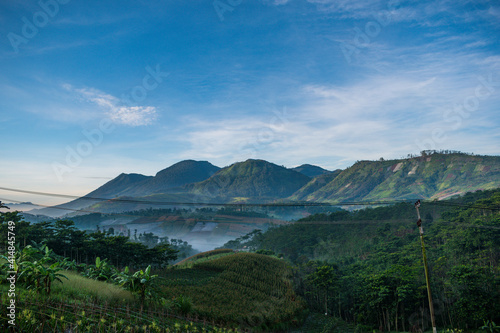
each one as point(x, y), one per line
point(125, 115)
point(423, 12)
point(280, 2)
point(379, 116)
point(276, 2)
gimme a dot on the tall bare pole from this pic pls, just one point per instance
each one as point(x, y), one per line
point(429, 294)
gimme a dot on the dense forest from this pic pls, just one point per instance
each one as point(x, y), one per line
point(62, 237)
point(366, 266)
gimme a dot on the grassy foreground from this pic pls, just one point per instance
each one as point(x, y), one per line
point(218, 291)
point(80, 304)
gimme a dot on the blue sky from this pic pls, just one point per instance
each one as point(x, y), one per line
point(91, 89)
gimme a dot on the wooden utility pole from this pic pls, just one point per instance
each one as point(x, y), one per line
point(431, 306)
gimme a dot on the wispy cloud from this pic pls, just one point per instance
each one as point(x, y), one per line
point(118, 113)
point(277, 2)
point(425, 13)
point(378, 116)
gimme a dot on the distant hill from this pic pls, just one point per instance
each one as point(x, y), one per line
point(177, 175)
point(251, 179)
point(112, 189)
point(137, 185)
point(435, 176)
point(121, 185)
point(22, 206)
point(431, 176)
point(310, 170)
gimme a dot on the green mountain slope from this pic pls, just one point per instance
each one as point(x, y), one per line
point(179, 174)
point(435, 176)
point(120, 185)
point(251, 179)
point(314, 185)
point(310, 170)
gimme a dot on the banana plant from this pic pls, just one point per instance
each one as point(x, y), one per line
point(36, 275)
point(102, 271)
point(25, 256)
point(141, 282)
point(50, 274)
point(68, 265)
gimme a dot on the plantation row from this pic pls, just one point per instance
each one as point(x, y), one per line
point(61, 316)
point(249, 290)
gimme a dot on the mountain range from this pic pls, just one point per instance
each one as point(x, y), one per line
point(430, 176)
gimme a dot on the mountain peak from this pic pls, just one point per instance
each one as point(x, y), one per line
point(187, 171)
point(252, 178)
point(311, 170)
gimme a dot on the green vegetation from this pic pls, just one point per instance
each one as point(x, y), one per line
point(66, 240)
point(219, 287)
point(139, 282)
point(204, 256)
point(363, 269)
point(366, 266)
point(240, 290)
point(78, 287)
point(89, 301)
point(310, 170)
point(255, 179)
point(431, 175)
point(83, 305)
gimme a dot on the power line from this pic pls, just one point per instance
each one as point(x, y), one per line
point(456, 204)
point(136, 216)
point(175, 203)
point(283, 223)
point(272, 204)
point(70, 209)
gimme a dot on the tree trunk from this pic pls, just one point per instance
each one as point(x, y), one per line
point(404, 320)
point(383, 317)
point(397, 306)
point(326, 303)
point(340, 312)
point(388, 320)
